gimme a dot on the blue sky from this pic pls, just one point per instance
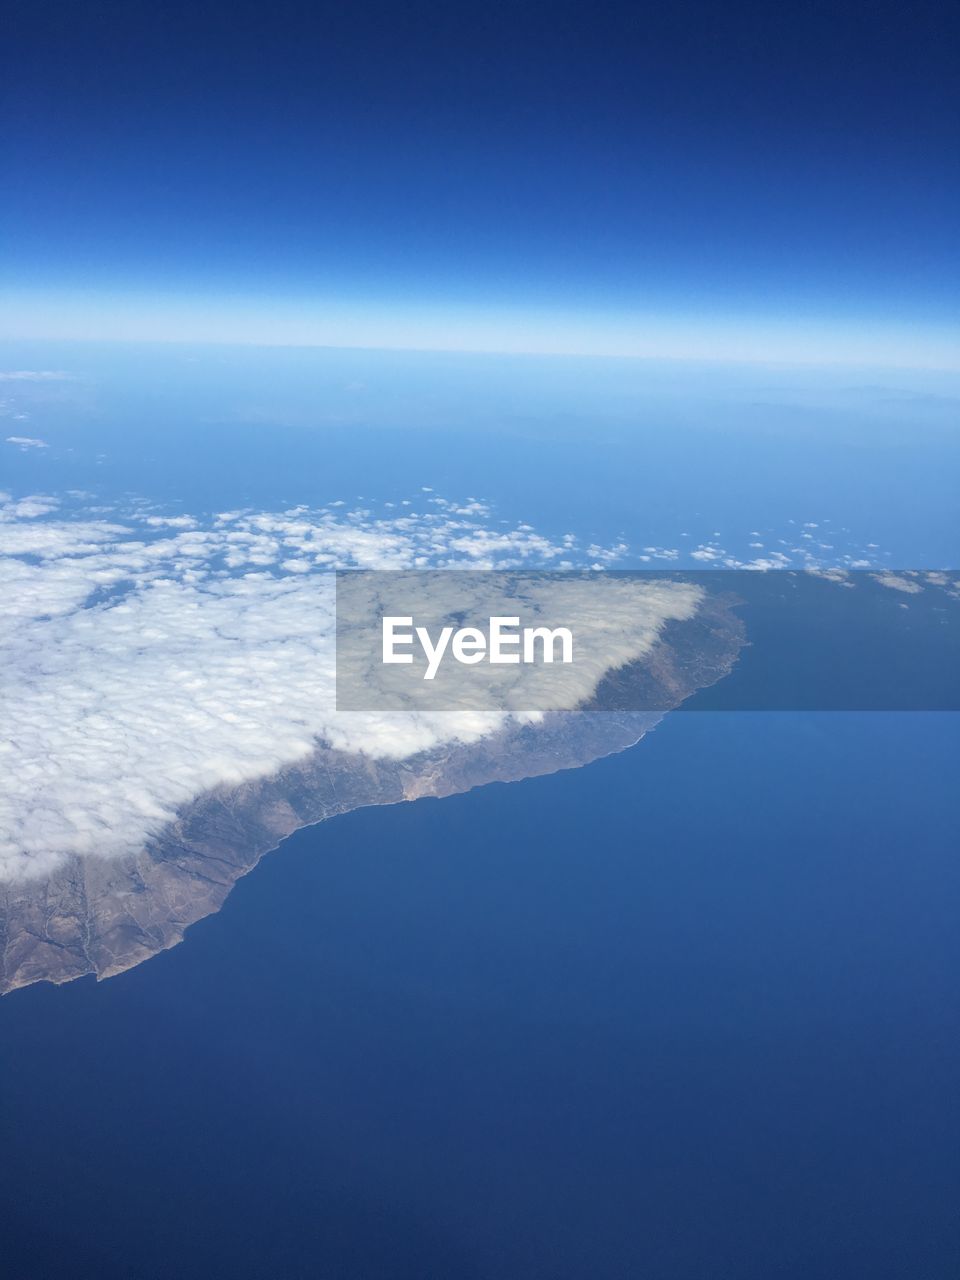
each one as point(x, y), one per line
point(747, 180)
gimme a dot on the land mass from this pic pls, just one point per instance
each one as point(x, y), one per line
point(103, 916)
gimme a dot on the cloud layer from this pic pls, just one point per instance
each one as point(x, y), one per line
point(150, 658)
point(148, 655)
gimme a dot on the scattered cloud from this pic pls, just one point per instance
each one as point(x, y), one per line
point(38, 504)
point(27, 442)
point(145, 659)
point(170, 522)
point(899, 582)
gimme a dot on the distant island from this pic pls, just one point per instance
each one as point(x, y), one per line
point(103, 916)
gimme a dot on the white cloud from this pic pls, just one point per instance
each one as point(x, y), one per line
point(37, 504)
point(143, 661)
point(27, 442)
point(145, 658)
point(899, 582)
point(171, 522)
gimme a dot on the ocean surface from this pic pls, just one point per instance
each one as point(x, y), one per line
point(688, 1012)
point(670, 453)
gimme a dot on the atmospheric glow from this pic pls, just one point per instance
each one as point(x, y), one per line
point(278, 321)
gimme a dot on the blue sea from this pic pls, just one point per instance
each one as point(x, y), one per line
point(688, 1012)
point(670, 453)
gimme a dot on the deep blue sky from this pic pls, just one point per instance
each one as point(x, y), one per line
point(791, 161)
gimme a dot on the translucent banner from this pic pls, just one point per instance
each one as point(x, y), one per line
point(529, 643)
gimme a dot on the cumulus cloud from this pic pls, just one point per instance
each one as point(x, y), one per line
point(37, 504)
point(27, 442)
point(170, 522)
point(899, 582)
point(148, 659)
